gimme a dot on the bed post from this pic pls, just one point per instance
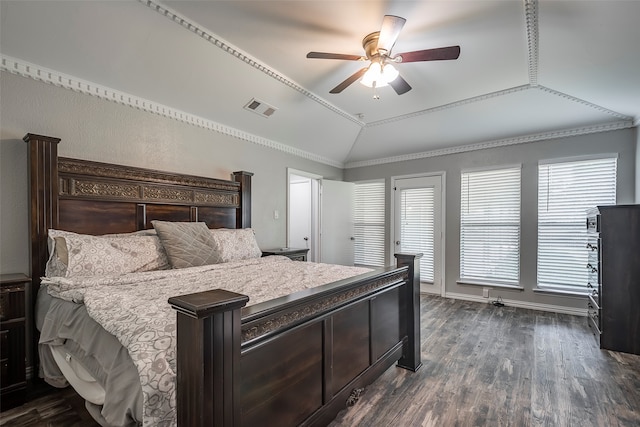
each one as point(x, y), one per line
point(43, 201)
point(411, 314)
point(243, 217)
point(208, 358)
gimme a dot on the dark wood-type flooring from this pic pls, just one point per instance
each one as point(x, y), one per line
point(483, 366)
point(490, 366)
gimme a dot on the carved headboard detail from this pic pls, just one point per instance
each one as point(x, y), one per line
point(100, 198)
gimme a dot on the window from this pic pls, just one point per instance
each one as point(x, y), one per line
point(490, 226)
point(369, 224)
point(565, 191)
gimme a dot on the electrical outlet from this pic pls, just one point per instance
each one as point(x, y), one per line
point(485, 292)
point(276, 214)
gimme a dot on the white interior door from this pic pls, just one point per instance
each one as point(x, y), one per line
point(300, 211)
point(303, 212)
point(336, 235)
point(417, 208)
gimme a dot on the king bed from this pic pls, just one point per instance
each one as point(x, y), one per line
point(238, 340)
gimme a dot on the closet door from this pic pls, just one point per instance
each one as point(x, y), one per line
point(336, 233)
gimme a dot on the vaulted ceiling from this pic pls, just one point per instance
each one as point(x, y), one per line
point(527, 70)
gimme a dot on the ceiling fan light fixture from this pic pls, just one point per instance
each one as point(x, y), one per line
point(389, 73)
point(381, 72)
point(374, 76)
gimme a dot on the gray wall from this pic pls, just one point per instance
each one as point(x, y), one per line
point(622, 142)
point(99, 130)
point(94, 129)
point(637, 165)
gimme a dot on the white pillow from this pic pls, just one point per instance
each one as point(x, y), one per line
point(236, 244)
point(79, 255)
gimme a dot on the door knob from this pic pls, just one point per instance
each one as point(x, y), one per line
point(397, 242)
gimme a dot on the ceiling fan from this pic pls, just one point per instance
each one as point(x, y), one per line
point(377, 47)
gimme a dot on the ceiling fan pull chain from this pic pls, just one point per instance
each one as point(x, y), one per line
point(375, 90)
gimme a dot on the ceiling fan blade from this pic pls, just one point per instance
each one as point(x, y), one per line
point(389, 32)
point(439, 54)
point(325, 55)
point(400, 85)
point(355, 76)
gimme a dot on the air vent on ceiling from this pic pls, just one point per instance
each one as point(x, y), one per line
point(261, 108)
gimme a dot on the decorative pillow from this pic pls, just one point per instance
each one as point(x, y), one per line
point(188, 244)
point(79, 255)
point(236, 244)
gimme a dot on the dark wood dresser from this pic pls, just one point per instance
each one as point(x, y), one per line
point(296, 254)
point(614, 276)
point(13, 383)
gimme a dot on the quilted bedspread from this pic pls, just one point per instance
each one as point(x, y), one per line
point(134, 308)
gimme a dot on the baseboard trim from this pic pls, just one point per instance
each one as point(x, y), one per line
point(522, 304)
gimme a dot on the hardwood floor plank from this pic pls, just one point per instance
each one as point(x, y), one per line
point(490, 366)
point(482, 366)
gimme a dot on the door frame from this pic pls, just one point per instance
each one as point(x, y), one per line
point(315, 207)
point(442, 175)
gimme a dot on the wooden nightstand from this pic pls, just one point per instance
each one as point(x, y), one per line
point(13, 381)
point(296, 254)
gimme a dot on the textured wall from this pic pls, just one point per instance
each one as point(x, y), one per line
point(637, 165)
point(98, 130)
point(622, 142)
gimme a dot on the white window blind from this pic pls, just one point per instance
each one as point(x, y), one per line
point(490, 225)
point(369, 224)
point(565, 191)
point(417, 227)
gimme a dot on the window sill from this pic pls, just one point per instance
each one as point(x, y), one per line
point(488, 284)
point(562, 292)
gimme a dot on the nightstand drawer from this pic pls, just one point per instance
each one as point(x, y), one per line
point(13, 383)
point(298, 257)
point(12, 302)
point(13, 354)
point(296, 254)
point(4, 344)
point(4, 371)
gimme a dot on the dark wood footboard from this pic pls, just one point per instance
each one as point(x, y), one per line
point(296, 360)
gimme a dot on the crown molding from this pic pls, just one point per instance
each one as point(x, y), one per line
point(36, 72)
point(497, 94)
point(455, 104)
point(605, 127)
point(531, 19)
point(243, 56)
point(585, 103)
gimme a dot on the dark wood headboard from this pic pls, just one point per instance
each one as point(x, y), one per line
point(100, 198)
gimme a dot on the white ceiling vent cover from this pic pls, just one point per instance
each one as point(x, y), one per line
point(260, 108)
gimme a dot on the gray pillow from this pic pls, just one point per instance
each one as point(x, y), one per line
point(187, 244)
